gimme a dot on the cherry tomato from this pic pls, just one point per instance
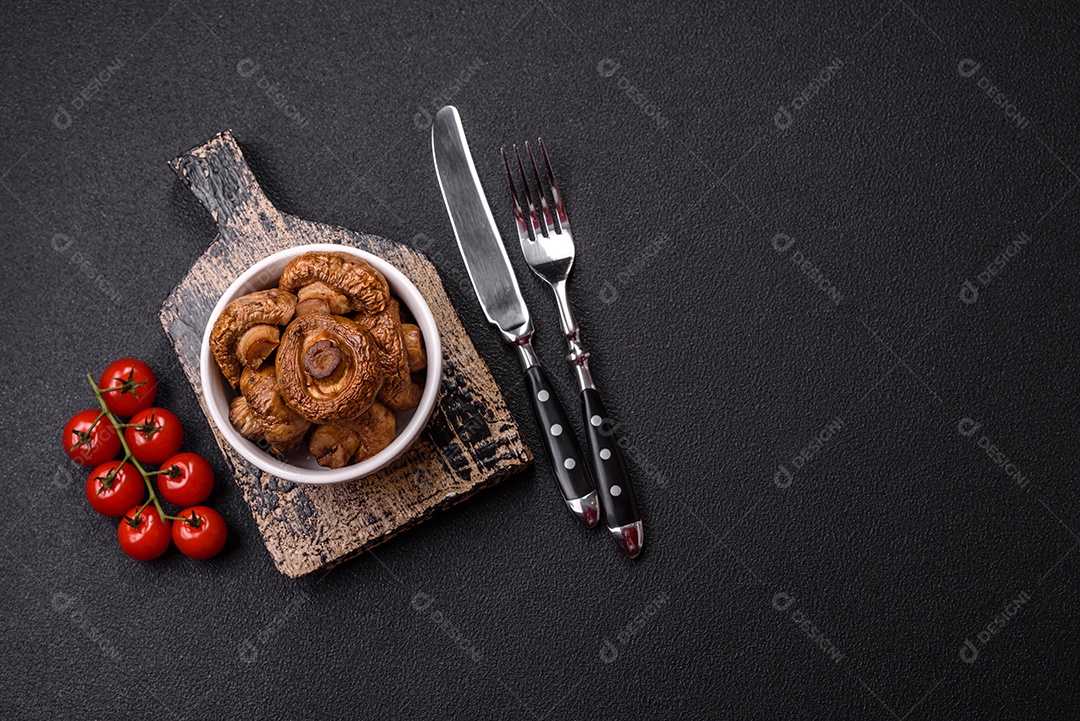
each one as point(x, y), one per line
point(90, 439)
point(137, 386)
point(143, 534)
point(201, 534)
point(155, 434)
point(113, 488)
point(189, 479)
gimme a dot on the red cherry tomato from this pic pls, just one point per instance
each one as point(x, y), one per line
point(113, 488)
point(154, 435)
point(201, 534)
point(90, 439)
point(144, 535)
point(137, 386)
point(189, 479)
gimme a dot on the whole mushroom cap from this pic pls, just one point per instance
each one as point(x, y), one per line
point(365, 288)
point(328, 368)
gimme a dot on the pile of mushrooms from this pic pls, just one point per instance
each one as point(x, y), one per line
point(323, 357)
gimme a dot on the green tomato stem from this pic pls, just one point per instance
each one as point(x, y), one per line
point(128, 455)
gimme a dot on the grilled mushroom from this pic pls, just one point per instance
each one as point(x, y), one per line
point(337, 444)
point(246, 331)
point(241, 416)
point(362, 286)
point(399, 392)
point(328, 368)
point(414, 347)
point(283, 428)
point(333, 445)
point(376, 428)
point(318, 297)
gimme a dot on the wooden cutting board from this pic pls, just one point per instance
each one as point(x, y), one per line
point(470, 443)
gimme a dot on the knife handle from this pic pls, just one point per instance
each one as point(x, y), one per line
point(612, 481)
point(567, 460)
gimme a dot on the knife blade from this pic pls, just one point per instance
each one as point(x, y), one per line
point(474, 227)
point(496, 287)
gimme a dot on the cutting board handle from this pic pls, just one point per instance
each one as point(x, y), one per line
point(220, 178)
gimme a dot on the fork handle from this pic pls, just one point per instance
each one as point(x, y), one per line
point(560, 442)
point(612, 481)
point(616, 494)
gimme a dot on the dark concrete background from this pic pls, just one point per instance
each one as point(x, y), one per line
point(894, 175)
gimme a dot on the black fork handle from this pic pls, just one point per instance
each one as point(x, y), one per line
point(612, 480)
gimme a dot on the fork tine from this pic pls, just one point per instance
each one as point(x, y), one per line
point(519, 217)
point(549, 224)
point(560, 210)
point(535, 220)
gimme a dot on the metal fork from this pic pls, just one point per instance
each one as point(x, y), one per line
point(549, 250)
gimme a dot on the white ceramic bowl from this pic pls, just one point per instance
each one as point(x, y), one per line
point(301, 466)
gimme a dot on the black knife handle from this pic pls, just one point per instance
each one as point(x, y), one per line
point(612, 481)
point(560, 441)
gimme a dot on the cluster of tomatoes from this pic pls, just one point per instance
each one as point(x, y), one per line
point(120, 483)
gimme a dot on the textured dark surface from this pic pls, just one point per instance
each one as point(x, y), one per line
point(899, 180)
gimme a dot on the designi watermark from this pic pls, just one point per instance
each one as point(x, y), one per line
point(783, 602)
point(254, 646)
point(607, 68)
point(782, 243)
point(68, 606)
point(611, 290)
point(645, 468)
point(425, 112)
point(969, 292)
point(422, 603)
point(969, 68)
point(62, 478)
point(784, 477)
point(609, 650)
point(785, 117)
point(970, 428)
point(62, 243)
point(64, 117)
point(248, 68)
point(969, 651)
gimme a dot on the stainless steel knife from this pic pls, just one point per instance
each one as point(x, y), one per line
point(496, 286)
